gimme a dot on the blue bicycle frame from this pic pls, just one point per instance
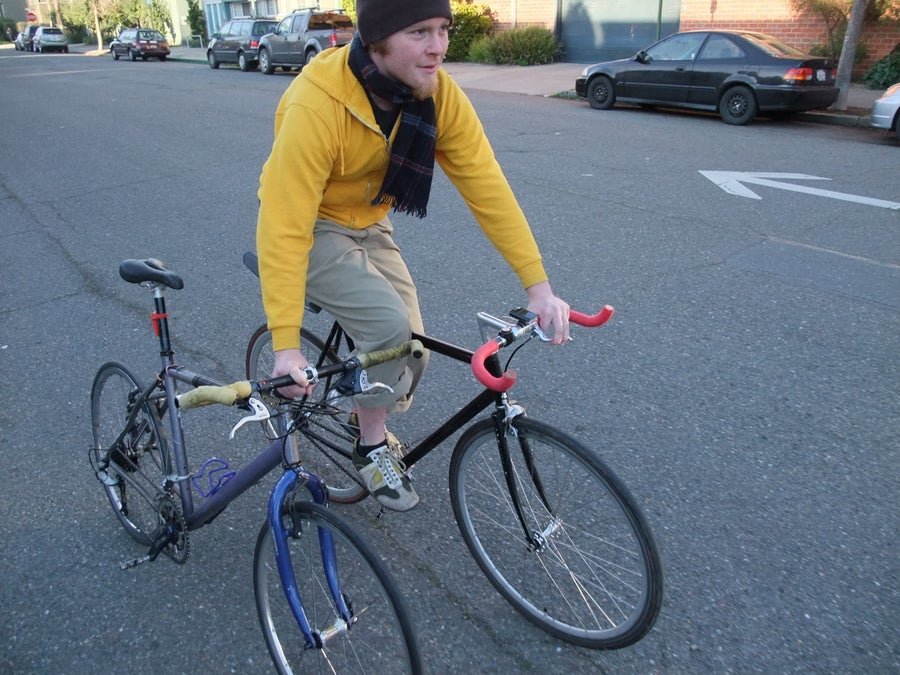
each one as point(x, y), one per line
point(279, 451)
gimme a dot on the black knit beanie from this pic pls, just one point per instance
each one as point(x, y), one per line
point(377, 19)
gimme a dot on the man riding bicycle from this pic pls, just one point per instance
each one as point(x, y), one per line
point(356, 135)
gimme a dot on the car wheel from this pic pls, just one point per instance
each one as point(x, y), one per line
point(143, 57)
point(162, 57)
point(65, 50)
point(265, 62)
point(132, 55)
point(600, 93)
point(310, 55)
point(211, 59)
point(737, 105)
point(244, 63)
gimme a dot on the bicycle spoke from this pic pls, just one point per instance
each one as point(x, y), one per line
point(588, 571)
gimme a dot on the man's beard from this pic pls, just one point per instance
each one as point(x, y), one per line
point(427, 90)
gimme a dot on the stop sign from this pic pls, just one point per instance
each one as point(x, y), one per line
point(30, 16)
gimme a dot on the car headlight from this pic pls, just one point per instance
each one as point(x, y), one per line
point(585, 71)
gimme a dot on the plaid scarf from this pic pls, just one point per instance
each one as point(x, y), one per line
point(407, 184)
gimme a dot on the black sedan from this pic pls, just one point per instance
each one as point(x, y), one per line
point(736, 73)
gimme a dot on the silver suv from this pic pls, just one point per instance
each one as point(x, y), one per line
point(48, 39)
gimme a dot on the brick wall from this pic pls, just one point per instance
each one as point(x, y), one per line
point(802, 31)
point(527, 13)
point(798, 30)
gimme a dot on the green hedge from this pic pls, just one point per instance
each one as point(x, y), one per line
point(520, 46)
point(471, 22)
point(884, 72)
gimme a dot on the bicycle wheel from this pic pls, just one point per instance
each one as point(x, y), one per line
point(134, 480)
point(591, 573)
point(329, 429)
point(379, 638)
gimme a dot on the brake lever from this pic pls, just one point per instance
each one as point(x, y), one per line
point(260, 413)
point(543, 337)
point(365, 386)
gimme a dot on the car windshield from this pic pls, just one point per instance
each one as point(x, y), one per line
point(771, 45)
point(53, 31)
point(150, 35)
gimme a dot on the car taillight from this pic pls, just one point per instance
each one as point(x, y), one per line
point(333, 39)
point(799, 75)
point(254, 44)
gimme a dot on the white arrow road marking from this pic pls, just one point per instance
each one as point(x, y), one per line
point(733, 183)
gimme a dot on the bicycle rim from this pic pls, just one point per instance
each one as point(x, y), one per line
point(138, 463)
point(329, 438)
point(380, 637)
point(592, 574)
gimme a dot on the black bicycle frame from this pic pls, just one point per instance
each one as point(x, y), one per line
point(465, 415)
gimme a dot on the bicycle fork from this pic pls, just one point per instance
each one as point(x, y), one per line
point(278, 507)
point(504, 417)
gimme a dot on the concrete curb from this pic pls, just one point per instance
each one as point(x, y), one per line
point(536, 80)
point(837, 119)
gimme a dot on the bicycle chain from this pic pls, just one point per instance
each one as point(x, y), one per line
point(170, 511)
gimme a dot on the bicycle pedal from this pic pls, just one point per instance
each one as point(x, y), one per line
point(134, 562)
point(106, 479)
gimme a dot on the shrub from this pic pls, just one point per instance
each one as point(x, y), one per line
point(350, 7)
point(884, 72)
point(8, 29)
point(470, 23)
point(520, 46)
point(196, 19)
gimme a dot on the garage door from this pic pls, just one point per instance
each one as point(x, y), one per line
point(599, 30)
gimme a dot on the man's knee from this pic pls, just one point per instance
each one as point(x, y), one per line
point(393, 326)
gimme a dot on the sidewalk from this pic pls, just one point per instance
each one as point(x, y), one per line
point(557, 80)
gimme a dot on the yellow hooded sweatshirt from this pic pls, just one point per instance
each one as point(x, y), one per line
point(328, 161)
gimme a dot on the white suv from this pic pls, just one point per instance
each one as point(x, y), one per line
point(48, 39)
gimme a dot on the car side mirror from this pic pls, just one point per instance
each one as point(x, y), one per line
point(642, 57)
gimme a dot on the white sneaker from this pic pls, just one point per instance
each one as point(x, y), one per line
point(385, 478)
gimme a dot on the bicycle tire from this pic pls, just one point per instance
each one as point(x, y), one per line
point(595, 576)
point(380, 638)
point(331, 435)
point(139, 466)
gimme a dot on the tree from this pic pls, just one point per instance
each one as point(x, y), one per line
point(196, 19)
point(845, 64)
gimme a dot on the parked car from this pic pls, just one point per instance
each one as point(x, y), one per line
point(301, 36)
point(24, 39)
point(735, 73)
point(49, 39)
point(886, 110)
point(140, 43)
point(238, 42)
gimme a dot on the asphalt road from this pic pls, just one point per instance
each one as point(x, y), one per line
point(746, 390)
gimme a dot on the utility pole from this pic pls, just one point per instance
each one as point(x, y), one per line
point(848, 53)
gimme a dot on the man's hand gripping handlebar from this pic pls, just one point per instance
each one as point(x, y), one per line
point(241, 392)
point(511, 333)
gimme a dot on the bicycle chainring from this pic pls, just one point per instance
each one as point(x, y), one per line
point(170, 512)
